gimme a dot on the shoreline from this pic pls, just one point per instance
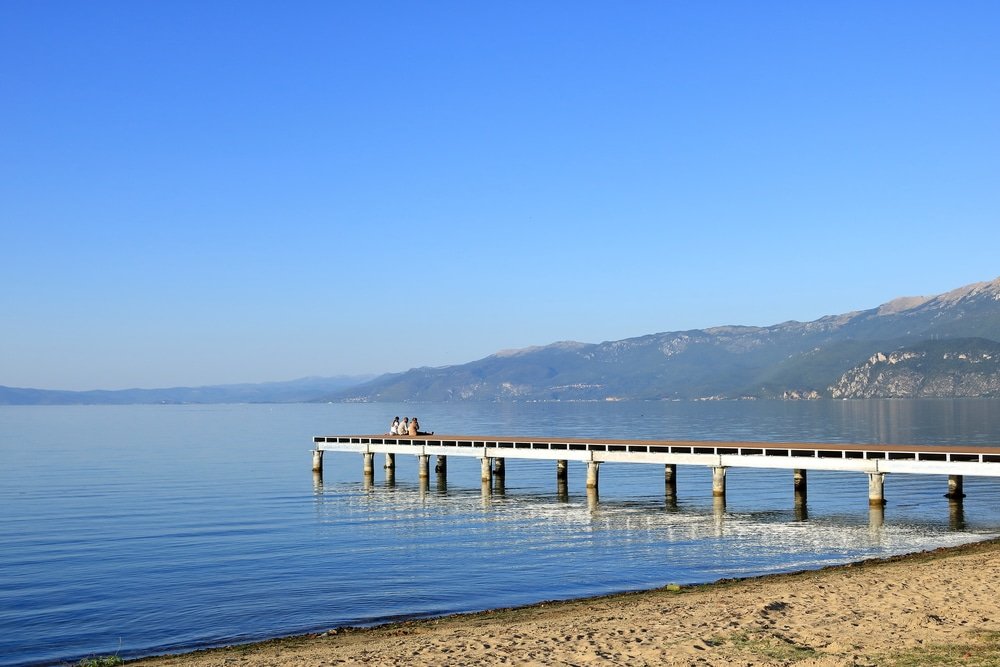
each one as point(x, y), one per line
point(859, 613)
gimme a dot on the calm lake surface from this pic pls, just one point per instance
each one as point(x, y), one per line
point(149, 529)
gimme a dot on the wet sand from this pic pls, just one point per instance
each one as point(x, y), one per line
point(931, 608)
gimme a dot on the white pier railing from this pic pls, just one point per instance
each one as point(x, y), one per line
point(874, 460)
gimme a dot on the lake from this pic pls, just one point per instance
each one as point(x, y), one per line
point(148, 529)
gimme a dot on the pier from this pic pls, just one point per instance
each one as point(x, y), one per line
point(875, 461)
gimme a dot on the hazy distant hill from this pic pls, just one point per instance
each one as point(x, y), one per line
point(791, 359)
point(293, 391)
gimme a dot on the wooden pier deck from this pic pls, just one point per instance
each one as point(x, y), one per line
point(873, 460)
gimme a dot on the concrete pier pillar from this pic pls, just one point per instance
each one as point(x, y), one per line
point(318, 461)
point(876, 489)
point(593, 472)
point(423, 466)
point(562, 491)
point(670, 479)
point(719, 481)
point(487, 470)
point(369, 465)
point(562, 470)
point(442, 466)
point(801, 508)
point(593, 499)
point(499, 467)
point(390, 469)
point(799, 482)
point(955, 484)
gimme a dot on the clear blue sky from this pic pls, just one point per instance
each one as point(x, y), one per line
point(211, 192)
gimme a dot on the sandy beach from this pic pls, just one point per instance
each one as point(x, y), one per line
point(933, 608)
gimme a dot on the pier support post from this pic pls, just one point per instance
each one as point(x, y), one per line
point(390, 469)
point(719, 481)
point(799, 485)
point(799, 482)
point(499, 467)
point(876, 489)
point(955, 487)
point(593, 472)
point(369, 465)
point(562, 470)
point(423, 465)
point(801, 509)
point(318, 461)
point(442, 465)
point(487, 470)
point(670, 479)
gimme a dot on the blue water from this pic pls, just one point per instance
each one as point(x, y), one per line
point(148, 529)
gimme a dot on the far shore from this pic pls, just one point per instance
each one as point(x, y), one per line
point(929, 608)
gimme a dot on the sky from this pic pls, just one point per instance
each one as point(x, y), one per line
point(196, 193)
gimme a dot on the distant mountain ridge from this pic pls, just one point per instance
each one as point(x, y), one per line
point(790, 359)
point(907, 347)
point(293, 391)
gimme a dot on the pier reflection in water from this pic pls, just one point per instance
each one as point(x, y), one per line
point(678, 515)
point(956, 514)
point(494, 485)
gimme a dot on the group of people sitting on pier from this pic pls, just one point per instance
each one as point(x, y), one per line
point(408, 426)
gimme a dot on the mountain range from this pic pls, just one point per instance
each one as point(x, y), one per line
point(303, 390)
point(958, 368)
point(787, 360)
point(945, 345)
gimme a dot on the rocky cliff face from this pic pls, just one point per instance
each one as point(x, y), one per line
point(958, 368)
